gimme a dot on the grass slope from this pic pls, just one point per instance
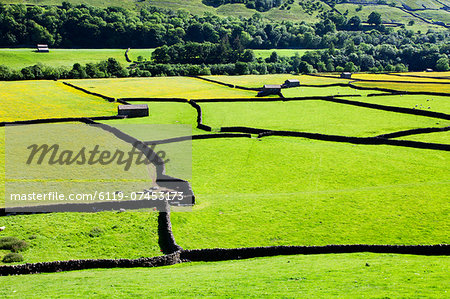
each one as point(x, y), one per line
point(295, 13)
point(19, 58)
point(345, 275)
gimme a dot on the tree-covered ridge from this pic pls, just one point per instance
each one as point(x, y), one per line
point(260, 5)
point(90, 27)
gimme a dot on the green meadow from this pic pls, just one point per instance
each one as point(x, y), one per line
point(313, 116)
point(331, 276)
point(253, 192)
point(20, 58)
point(161, 87)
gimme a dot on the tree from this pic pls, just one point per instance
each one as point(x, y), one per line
point(354, 22)
point(442, 64)
point(241, 68)
point(305, 68)
point(374, 18)
point(350, 67)
point(273, 57)
point(248, 56)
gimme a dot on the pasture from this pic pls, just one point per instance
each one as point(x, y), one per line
point(313, 117)
point(257, 192)
point(25, 100)
point(20, 58)
point(345, 275)
point(162, 87)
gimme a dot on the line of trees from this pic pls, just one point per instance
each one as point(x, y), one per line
point(85, 26)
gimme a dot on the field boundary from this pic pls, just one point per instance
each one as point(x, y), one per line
point(222, 254)
point(351, 85)
point(200, 124)
point(413, 132)
point(144, 99)
point(58, 120)
point(338, 138)
point(228, 84)
point(109, 99)
point(219, 254)
point(198, 137)
point(334, 99)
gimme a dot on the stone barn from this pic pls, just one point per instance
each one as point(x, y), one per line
point(270, 90)
point(41, 48)
point(133, 110)
point(346, 75)
point(291, 83)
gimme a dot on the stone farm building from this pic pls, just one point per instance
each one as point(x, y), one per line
point(291, 83)
point(133, 110)
point(346, 75)
point(270, 90)
point(42, 48)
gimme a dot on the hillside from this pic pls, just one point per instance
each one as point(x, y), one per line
point(424, 13)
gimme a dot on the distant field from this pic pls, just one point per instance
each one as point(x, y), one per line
point(406, 87)
point(445, 75)
point(435, 15)
point(329, 275)
point(393, 14)
point(394, 78)
point(260, 80)
point(19, 58)
point(100, 3)
point(281, 52)
point(162, 87)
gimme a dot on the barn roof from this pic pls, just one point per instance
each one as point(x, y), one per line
point(272, 86)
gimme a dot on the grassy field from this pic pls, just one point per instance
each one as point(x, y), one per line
point(48, 99)
point(162, 87)
point(281, 52)
point(394, 78)
point(346, 275)
point(435, 15)
point(405, 86)
point(66, 236)
point(444, 75)
point(254, 192)
point(19, 58)
point(392, 15)
point(260, 80)
point(312, 116)
point(437, 137)
point(422, 102)
point(313, 193)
